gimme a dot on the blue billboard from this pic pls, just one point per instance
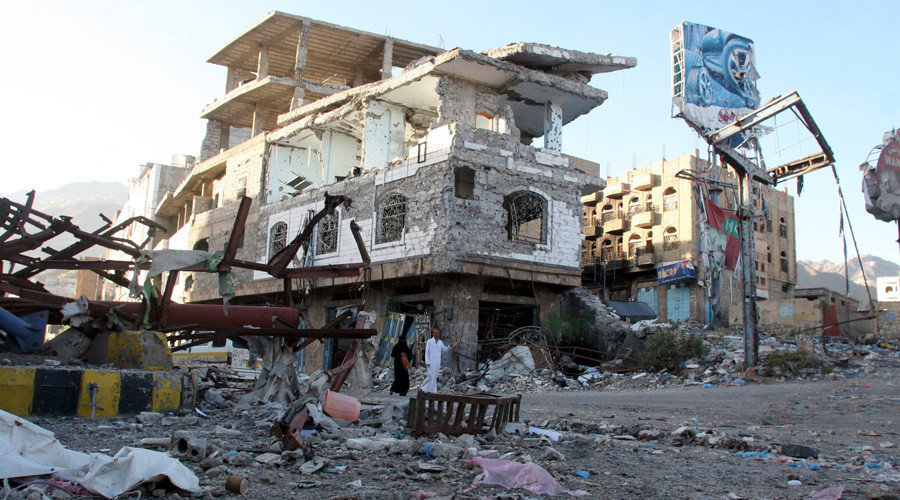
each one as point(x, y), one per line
point(714, 76)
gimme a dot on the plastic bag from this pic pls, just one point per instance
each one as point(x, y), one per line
point(509, 474)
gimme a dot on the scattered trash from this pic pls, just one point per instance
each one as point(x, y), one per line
point(531, 477)
point(583, 474)
point(833, 493)
point(237, 484)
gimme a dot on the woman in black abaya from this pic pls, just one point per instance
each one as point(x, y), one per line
point(401, 355)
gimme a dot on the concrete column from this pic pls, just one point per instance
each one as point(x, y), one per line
point(258, 119)
point(553, 126)
point(387, 59)
point(299, 98)
point(456, 312)
point(302, 49)
point(231, 79)
point(358, 78)
point(262, 64)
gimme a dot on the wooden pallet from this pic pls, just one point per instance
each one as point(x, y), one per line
point(454, 414)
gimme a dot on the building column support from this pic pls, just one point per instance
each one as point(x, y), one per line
point(262, 63)
point(258, 119)
point(387, 59)
point(299, 98)
point(553, 126)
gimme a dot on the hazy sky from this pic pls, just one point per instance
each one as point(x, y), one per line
point(93, 89)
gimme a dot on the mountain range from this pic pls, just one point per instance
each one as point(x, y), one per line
point(826, 274)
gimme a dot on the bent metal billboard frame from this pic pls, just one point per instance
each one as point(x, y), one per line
point(713, 77)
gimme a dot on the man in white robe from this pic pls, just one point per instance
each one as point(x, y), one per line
point(433, 349)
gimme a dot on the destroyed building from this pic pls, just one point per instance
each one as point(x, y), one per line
point(453, 160)
point(647, 221)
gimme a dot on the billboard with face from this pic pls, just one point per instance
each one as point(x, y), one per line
point(881, 184)
point(713, 76)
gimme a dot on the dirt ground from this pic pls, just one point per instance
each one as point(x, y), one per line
point(677, 442)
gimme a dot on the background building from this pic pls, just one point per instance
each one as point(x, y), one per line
point(648, 219)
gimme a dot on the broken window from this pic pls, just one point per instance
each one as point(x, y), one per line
point(487, 121)
point(782, 228)
point(785, 263)
point(465, 183)
point(391, 218)
point(525, 211)
point(670, 200)
point(327, 239)
point(277, 238)
point(670, 239)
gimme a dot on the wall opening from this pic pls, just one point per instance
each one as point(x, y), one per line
point(327, 238)
point(465, 183)
point(525, 217)
point(277, 238)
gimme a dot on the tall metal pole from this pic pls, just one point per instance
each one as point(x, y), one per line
point(748, 261)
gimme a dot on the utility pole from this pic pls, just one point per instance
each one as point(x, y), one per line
point(748, 272)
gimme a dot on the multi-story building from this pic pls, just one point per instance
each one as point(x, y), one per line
point(145, 191)
point(463, 217)
point(648, 219)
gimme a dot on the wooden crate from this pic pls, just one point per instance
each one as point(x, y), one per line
point(454, 414)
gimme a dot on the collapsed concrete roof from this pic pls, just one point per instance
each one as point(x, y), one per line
point(528, 90)
point(552, 59)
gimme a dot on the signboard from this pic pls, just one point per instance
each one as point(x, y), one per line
point(881, 184)
point(675, 272)
point(725, 242)
point(713, 77)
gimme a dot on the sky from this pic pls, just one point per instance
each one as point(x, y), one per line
point(94, 89)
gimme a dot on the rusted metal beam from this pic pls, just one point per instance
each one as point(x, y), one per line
point(360, 244)
point(236, 239)
point(282, 258)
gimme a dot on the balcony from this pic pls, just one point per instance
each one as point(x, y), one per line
point(645, 256)
point(615, 225)
point(592, 198)
point(616, 189)
point(643, 218)
point(642, 181)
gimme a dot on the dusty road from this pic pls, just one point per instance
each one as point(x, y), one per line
point(840, 417)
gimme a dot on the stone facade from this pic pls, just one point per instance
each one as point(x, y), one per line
point(461, 216)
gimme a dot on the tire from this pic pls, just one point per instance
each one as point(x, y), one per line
point(706, 87)
point(736, 59)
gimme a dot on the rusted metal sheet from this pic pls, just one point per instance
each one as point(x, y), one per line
point(454, 414)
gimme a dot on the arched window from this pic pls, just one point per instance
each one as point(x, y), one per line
point(606, 213)
point(670, 238)
point(634, 245)
point(606, 250)
point(649, 204)
point(670, 200)
point(782, 228)
point(648, 247)
point(391, 218)
point(785, 263)
point(327, 238)
point(277, 238)
point(634, 206)
point(525, 217)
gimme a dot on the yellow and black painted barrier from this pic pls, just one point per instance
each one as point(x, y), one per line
point(89, 392)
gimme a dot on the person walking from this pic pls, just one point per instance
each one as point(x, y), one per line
point(401, 354)
point(433, 350)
